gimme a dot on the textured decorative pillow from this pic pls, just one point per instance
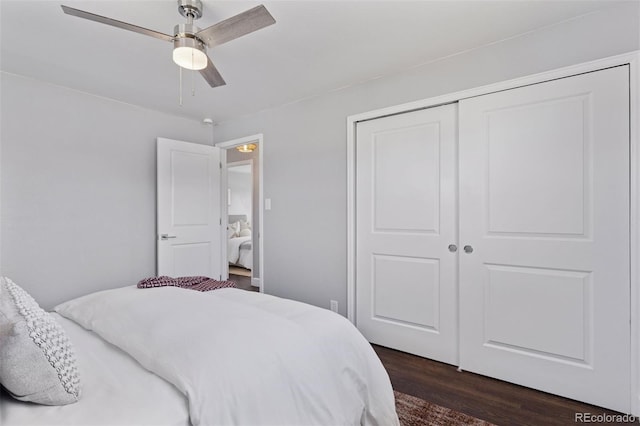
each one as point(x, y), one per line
point(37, 362)
point(244, 225)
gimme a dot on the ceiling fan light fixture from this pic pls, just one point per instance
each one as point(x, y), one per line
point(247, 147)
point(188, 54)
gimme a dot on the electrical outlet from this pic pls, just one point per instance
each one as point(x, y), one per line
point(334, 305)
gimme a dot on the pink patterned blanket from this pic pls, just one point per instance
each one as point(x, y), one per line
point(191, 283)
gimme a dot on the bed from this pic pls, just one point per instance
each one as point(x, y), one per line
point(174, 356)
point(239, 242)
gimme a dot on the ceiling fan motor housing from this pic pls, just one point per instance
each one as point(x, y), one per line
point(190, 8)
point(185, 30)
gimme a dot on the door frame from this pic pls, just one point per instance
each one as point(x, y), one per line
point(259, 140)
point(632, 59)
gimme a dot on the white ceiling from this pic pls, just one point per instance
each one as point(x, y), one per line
point(314, 47)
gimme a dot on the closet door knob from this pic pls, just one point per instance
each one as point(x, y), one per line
point(468, 249)
point(453, 248)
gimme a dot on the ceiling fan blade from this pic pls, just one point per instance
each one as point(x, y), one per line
point(211, 74)
point(236, 26)
point(119, 24)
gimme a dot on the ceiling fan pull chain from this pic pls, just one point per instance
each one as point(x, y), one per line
point(193, 84)
point(180, 84)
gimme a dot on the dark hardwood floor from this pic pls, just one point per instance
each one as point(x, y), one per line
point(243, 282)
point(488, 399)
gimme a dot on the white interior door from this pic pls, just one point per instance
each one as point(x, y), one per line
point(406, 287)
point(544, 205)
point(188, 209)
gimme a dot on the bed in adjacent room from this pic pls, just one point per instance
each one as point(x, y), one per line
point(239, 242)
point(174, 356)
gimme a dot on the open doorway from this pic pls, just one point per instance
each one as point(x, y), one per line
point(240, 228)
point(241, 211)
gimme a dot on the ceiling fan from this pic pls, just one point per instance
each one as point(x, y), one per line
point(189, 41)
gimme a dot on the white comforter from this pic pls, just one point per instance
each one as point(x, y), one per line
point(115, 391)
point(245, 358)
point(233, 248)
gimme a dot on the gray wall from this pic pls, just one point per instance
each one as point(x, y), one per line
point(77, 172)
point(78, 188)
point(305, 143)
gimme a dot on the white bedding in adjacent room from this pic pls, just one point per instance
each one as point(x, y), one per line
point(237, 256)
point(240, 358)
point(246, 256)
point(116, 391)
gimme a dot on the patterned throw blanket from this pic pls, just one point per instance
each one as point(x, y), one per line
point(192, 283)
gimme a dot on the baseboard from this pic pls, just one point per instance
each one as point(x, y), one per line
point(255, 282)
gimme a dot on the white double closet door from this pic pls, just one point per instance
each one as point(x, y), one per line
point(493, 234)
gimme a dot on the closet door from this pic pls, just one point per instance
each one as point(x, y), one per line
point(544, 211)
point(406, 287)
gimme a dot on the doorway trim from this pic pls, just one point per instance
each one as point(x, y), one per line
point(259, 140)
point(632, 59)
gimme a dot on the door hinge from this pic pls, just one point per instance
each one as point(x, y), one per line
point(220, 164)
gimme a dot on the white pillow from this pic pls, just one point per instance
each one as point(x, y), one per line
point(244, 225)
point(37, 362)
point(233, 229)
point(245, 232)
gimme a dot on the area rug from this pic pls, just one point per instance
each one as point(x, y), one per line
point(414, 411)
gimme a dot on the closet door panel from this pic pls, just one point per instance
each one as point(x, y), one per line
point(403, 184)
point(544, 203)
point(519, 192)
point(406, 278)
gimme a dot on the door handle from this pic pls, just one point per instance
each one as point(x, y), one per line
point(453, 248)
point(468, 249)
point(165, 237)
